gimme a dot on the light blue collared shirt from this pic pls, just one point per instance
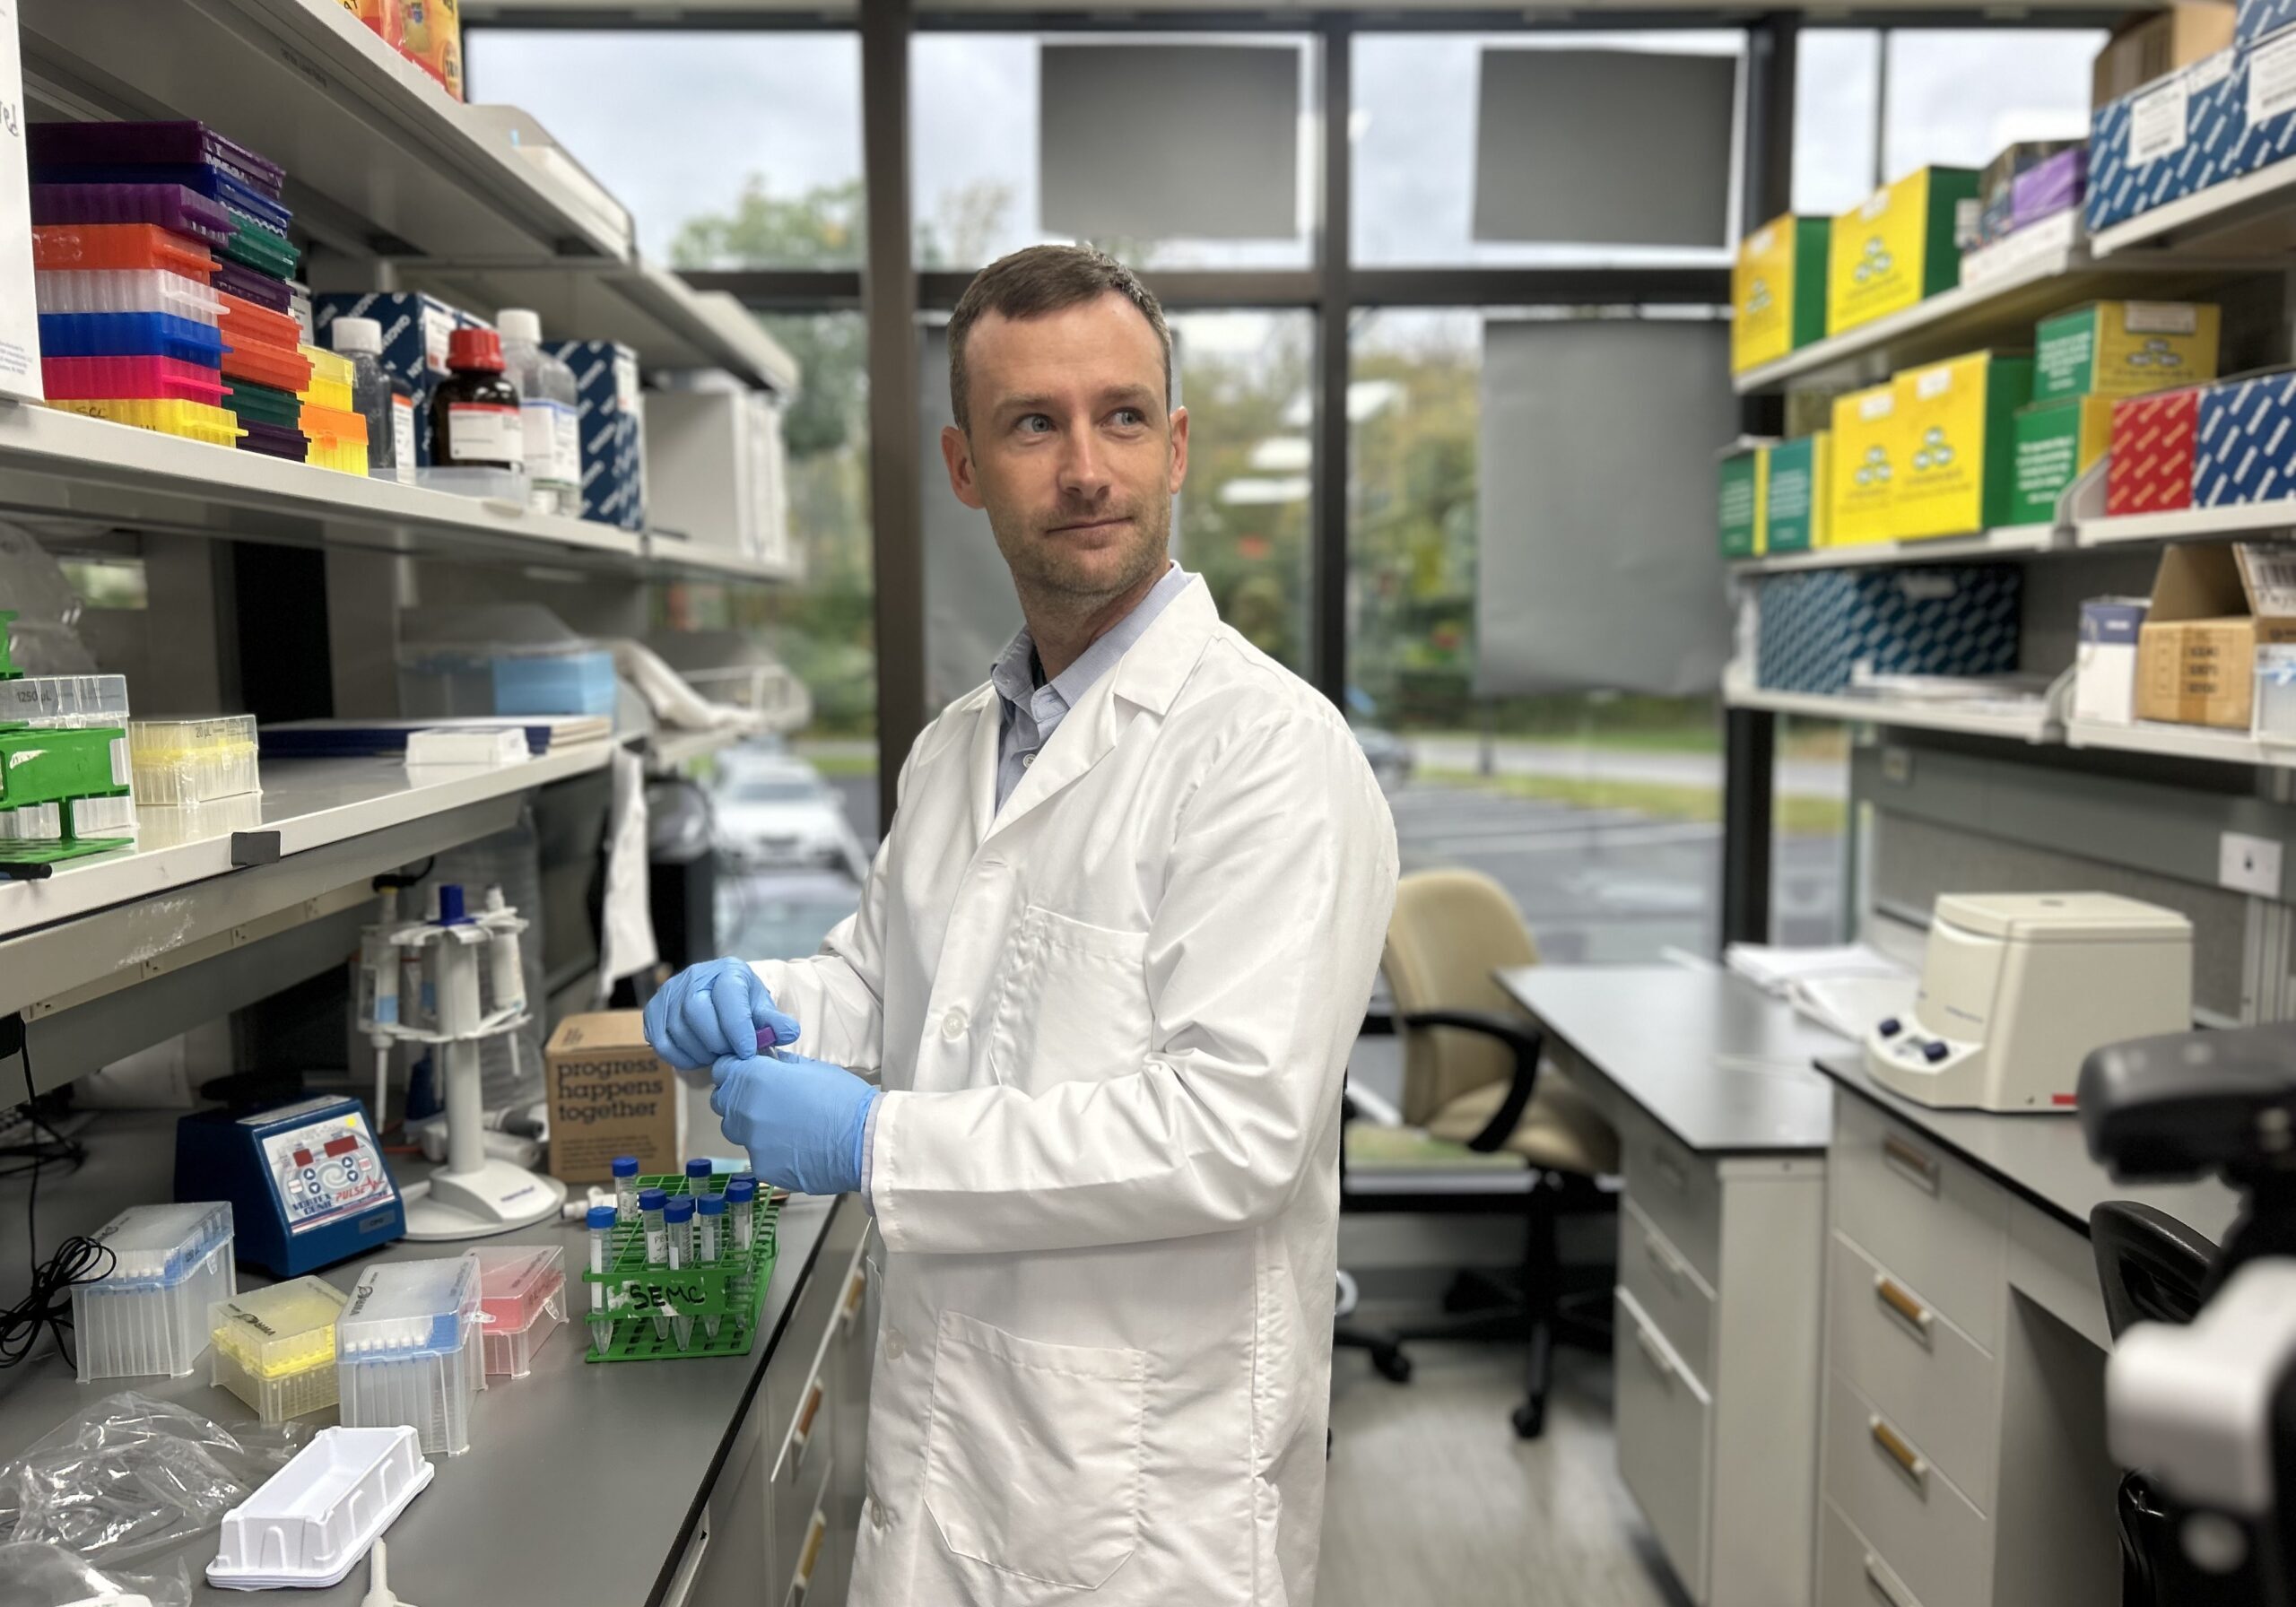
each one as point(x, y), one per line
point(1032, 710)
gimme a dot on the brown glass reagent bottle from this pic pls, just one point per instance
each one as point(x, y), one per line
point(474, 411)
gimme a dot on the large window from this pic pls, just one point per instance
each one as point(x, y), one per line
point(731, 150)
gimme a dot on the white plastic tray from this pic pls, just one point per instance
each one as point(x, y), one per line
point(313, 1519)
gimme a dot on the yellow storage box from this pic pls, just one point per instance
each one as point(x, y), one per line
point(1902, 244)
point(1777, 290)
point(1957, 427)
point(1868, 452)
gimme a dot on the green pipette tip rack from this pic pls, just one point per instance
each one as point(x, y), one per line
point(732, 1291)
point(31, 861)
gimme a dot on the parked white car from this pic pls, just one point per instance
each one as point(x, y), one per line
point(776, 810)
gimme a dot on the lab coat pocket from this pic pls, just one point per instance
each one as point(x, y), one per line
point(1033, 1458)
point(1074, 1003)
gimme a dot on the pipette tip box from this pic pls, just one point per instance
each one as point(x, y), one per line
point(406, 1350)
point(192, 761)
point(522, 1300)
point(274, 1348)
point(147, 1316)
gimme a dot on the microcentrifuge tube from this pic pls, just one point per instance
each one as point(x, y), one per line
point(601, 1221)
point(680, 1214)
point(625, 1187)
point(696, 1177)
point(653, 1208)
point(709, 1236)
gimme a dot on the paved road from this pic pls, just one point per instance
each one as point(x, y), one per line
point(1796, 778)
point(1598, 885)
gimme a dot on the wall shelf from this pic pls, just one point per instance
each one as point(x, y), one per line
point(2253, 216)
point(2009, 541)
point(2189, 524)
point(2036, 726)
point(2180, 742)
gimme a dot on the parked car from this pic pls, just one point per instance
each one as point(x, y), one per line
point(776, 810)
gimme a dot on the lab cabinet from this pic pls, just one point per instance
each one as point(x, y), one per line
point(1719, 1273)
point(782, 1517)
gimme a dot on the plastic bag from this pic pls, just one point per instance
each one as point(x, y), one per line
point(35, 1574)
point(130, 1475)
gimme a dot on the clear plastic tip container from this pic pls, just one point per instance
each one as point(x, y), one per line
point(148, 1315)
point(522, 1299)
point(274, 1348)
point(406, 1350)
point(192, 761)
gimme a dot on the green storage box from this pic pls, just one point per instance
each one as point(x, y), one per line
point(2057, 440)
point(1740, 474)
point(1794, 502)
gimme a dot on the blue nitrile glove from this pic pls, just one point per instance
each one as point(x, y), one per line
point(715, 1009)
point(804, 1122)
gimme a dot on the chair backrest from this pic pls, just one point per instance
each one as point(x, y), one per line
point(2151, 1266)
point(1451, 928)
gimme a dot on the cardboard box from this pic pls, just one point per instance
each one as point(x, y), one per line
point(1744, 470)
point(1903, 243)
point(386, 17)
point(1997, 182)
point(2245, 449)
point(1794, 501)
point(2154, 441)
point(2213, 603)
point(610, 1095)
point(2056, 442)
point(2124, 349)
point(2267, 75)
point(1867, 452)
point(2168, 139)
point(433, 40)
point(2256, 20)
point(1815, 627)
point(2104, 685)
point(2153, 44)
point(1956, 425)
point(1778, 289)
point(2059, 185)
point(613, 424)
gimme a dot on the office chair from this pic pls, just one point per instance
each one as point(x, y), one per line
point(2152, 1269)
point(1472, 1076)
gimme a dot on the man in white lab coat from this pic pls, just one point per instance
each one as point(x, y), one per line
point(1107, 967)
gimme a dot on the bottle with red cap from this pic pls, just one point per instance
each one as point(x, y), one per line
point(474, 411)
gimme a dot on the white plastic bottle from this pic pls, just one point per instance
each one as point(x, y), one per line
point(549, 409)
point(361, 341)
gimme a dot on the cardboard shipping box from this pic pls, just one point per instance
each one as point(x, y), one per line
point(1956, 423)
point(2057, 442)
point(2154, 443)
point(1902, 244)
point(1778, 289)
point(2213, 604)
point(2124, 349)
point(610, 1095)
point(2169, 139)
point(2157, 42)
point(1793, 501)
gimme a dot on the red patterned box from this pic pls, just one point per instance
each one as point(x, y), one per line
point(2154, 440)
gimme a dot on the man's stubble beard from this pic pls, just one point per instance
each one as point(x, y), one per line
point(1046, 580)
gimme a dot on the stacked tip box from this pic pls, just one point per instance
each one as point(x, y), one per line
point(612, 423)
point(225, 315)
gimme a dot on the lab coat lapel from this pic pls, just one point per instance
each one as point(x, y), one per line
point(989, 727)
point(1149, 676)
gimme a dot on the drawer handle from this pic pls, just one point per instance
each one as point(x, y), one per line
point(1915, 1466)
point(1673, 1267)
point(1910, 1163)
point(850, 1313)
point(1884, 1585)
point(805, 1415)
point(1654, 1353)
point(1900, 1300)
point(815, 1533)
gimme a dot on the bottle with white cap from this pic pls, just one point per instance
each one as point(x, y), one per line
point(361, 341)
point(549, 409)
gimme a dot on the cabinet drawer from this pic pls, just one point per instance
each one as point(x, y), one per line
point(1664, 1420)
point(1851, 1573)
point(1681, 1193)
point(801, 1356)
point(1924, 1529)
point(1668, 1290)
point(811, 1453)
point(1929, 1219)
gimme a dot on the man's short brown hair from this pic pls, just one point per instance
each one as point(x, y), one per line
point(1040, 279)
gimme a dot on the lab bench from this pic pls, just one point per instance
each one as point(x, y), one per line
point(1861, 1343)
point(702, 1483)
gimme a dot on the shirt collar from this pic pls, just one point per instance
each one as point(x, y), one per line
point(1016, 683)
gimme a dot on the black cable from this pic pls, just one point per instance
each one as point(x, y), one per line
point(47, 1304)
point(390, 878)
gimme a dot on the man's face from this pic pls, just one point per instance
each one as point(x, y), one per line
point(1071, 451)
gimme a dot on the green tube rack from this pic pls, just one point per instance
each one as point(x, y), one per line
point(732, 1291)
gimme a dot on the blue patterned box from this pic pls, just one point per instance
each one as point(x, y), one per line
point(2245, 449)
point(613, 426)
point(1816, 625)
point(416, 329)
point(2269, 99)
point(2177, 134)
point(2258, 21)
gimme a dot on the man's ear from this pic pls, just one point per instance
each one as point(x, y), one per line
point(1179, 449)
point(956, 451)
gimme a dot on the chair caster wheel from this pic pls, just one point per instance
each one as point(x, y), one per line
point(1392, 1365)
point(1530, 1420)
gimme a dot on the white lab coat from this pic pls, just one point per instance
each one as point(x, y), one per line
point(1112, 1021)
